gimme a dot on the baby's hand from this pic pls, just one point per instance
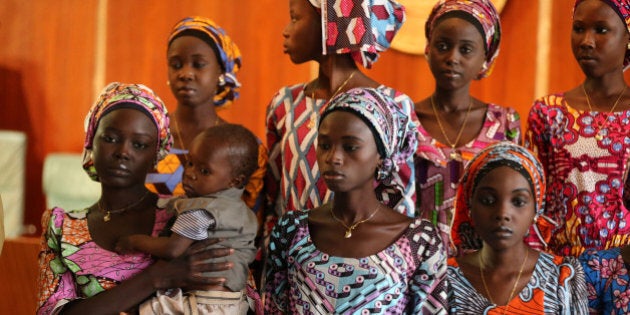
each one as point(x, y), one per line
point(123, 246)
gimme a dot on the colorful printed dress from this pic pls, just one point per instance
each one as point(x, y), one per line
point(293, 180)
point(73, 267)
point(607, 281)
point(585, 156)
point(437, 175)
point(408, 277)
point(555, 287)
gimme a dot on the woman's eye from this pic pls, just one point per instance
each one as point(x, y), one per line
point(108, 139)
point(601, 30)
point(140, 146)
point(487, 200)
point(175, 65)
point(442, 47)
point(465, 50)
point(204, 171)
point(519, 202)
point(351, 148)
point(323, 146)
point(199, 65)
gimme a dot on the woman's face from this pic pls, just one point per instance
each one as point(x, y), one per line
point(598, 39)
point(303, 34)
point(124, 148)
point(193, 71)
point(502, 208)
point(346, 152)
point(456, 53)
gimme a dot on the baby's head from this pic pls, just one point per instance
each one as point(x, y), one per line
point(220, 157)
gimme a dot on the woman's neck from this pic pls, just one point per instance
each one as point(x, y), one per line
point(354, 206)
point(200, 117)
point(115, 198)
point(605, 86)
point(452, 100)
point(511, 258)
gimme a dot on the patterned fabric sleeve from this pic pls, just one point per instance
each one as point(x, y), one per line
point(276, 285)
point(607, 281)
point(274, 167)
point(428, 285)
point(537, 139)
point(513, 126)
point(56, 286)
point(572, 284)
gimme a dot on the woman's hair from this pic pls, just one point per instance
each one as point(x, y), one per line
point(228, 54)
point(622, 8)
point(480, 13)
point(395, 134)
point(364, 30)
point(120, 95)
point(242, 147)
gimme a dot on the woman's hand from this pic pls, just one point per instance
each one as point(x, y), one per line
point(186, 270)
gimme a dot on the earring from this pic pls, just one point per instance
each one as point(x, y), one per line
point(222, 80)
point(168, 82)
point(628, 46)
point(381, 174)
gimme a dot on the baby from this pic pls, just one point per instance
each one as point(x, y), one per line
point(220, 161)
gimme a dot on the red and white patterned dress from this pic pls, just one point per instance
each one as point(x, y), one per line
point(585, 156)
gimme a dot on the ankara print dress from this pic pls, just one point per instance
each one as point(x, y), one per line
point(555, 287)
point(408, 277)
point(585, 156)
point(72, 266)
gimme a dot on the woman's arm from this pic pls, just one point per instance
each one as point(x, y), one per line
point(163, 247)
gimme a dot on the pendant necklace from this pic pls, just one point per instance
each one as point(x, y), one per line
point(602, 126)
point(350, 228)
point(454, 155)
point(313, 121)
point(483, 280)
point(108, 213)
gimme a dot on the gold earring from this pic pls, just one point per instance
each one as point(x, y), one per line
point(628, 45)
point(222, 80)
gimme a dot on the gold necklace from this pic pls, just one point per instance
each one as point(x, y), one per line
point(350, 228)
point(108, 213)
point(483, 280)
point(599, 135)
point(454, 155)
point(314, 116)
point(179, 136)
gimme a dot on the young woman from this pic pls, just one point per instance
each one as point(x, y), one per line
point(503, 189)
point(202, 65)
point(462, 44)
point(126, 134)
point(581, 135)
point(317, 32)
point(354, 254)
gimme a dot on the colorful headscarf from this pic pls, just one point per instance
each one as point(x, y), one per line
point(622, 8)
point(362, 28)
point(482, 11)
point(119, 95)
point(499, 154)
point(394, 131)
point(227, 52)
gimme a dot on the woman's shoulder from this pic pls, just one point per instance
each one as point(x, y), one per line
point(293, 218)
point(554, 99)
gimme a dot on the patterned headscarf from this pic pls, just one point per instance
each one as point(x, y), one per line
point(482, 12)
point(394, 131)
point(622, 8)
point(499, 154)
point(362, 28)
point(119, 95)
point(226, 50)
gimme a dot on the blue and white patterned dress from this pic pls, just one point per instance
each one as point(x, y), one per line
point(408, 277)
